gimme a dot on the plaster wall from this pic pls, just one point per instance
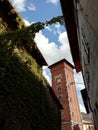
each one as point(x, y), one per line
point(90, 8)
point(88, 41)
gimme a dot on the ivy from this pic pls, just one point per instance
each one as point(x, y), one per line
point(24, 38)
point(23, 89)
point(59, 19)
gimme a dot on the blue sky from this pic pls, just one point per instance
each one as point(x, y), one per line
point(52, 41)
point(39, 10)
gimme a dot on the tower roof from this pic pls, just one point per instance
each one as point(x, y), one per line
point(63, 60)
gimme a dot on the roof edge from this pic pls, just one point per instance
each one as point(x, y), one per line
point(63, 60)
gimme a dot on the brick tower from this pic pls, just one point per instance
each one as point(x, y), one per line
point(64, 87)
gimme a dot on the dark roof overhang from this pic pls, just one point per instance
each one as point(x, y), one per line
point(38, 56)
point(70, 21)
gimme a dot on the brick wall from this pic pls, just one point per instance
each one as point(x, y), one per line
point(62, 77)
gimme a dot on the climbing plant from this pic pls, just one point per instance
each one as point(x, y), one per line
point(22, 86)
point(26, 34)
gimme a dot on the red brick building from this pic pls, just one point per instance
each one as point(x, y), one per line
point(64, 87)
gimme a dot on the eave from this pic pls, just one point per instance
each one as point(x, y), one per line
point(63, 60)
point(38, 56)
point(70, 21)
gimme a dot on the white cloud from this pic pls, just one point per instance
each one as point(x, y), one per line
point(79, 80)
point(79, 86)
point(19, 5)
point(32, 7)
point(47, 74)
point(82, 108)
point(57, 26)
point(52, 1)
point(64, 48)
point(51, 51)
point(48, 28)
point(27, 23)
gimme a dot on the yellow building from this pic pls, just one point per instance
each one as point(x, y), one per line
point(87, 121)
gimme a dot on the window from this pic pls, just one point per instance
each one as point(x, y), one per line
point(62, 115)
point(85, 46)
point(66, 76)
point(72, 114)
point(70, 99)
point(58, 78)
point(60, 99)
point(59, 90)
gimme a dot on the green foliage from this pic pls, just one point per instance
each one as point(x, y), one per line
point(59, 19)
point(10, 16)
point(23, 89)
point(23, 92)
point(21, 82)
point(25, 37)
point(18, 37)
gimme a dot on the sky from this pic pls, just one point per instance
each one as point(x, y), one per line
point(52, 41)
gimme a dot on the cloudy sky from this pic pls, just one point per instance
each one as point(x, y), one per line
point(52, 41)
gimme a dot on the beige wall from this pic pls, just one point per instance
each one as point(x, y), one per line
point(88, 45)
point(87, 126)
point(90, 8)
point(88, 60)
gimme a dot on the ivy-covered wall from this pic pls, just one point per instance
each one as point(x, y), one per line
point(3, 26)
point(26, 102)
